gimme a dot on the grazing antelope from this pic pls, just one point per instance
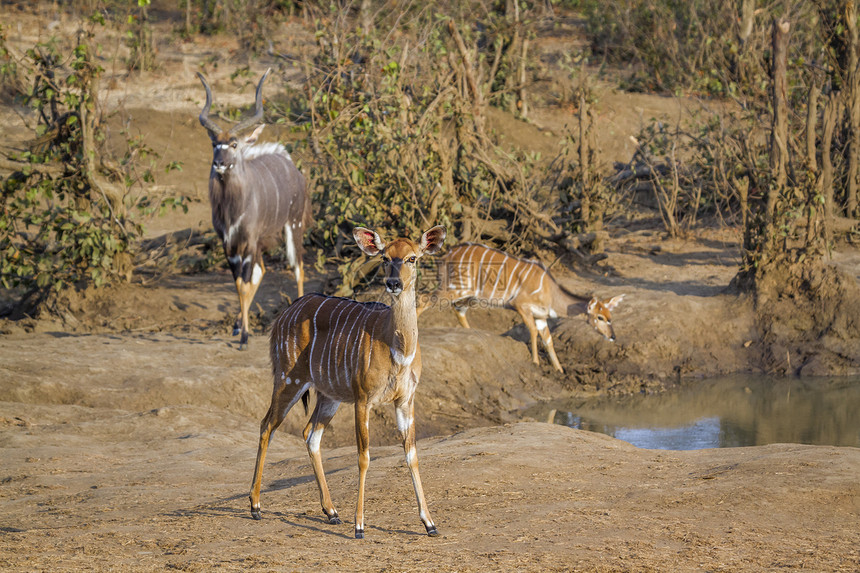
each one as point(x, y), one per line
point(359, 353)
point(256, 193)
point(471, 272)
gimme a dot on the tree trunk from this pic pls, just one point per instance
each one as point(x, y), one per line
point(831, 118)
point(522, 104)
point(366, 11)
point(779, 128)
point(747, 20)
point(469, 73)
point(852, 94)
point(814, 187)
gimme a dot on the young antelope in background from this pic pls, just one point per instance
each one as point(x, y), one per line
point(472, 272)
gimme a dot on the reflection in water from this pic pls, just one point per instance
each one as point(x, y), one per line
point(721, 413)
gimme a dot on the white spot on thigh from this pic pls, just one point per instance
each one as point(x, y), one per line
point(411, 456)
point(540, 323)
point(291, 247)
point(257, 276)
point(234, 259)
point(314, 440)
point(403, 421)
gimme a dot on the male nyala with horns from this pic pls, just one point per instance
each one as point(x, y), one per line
point(256, 193)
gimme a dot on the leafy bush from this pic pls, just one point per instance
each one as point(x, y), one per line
point(66, 213)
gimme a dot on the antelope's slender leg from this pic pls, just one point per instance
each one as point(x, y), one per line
point(299, 270)
point(293, 243)
point(284, 396)
point(244, 290)
point(529, 319)
point(247, 284)
point(324, 411)
point(461, 316)
point(256, 279)
point(546, 336)
point(235, 262)
point(362, 441)
point(405, 412)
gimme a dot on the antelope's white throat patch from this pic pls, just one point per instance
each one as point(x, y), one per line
point(400, 359)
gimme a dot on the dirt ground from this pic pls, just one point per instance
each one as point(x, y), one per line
point(128, 425)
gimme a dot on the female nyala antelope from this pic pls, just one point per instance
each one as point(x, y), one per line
point(348, 351)
point(471, 272)
point(256, 192)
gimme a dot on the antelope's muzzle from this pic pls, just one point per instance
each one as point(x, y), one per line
point(394, 285)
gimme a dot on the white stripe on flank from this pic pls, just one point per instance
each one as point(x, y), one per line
point(311, 357)
point(503, 266)
point(291, 330)
point(334, 335)
point(522, 278)
point(463, 271)
point(354, 310)
point(540, 284)
point(511, 277)
point(479, 287)
point(350, 362)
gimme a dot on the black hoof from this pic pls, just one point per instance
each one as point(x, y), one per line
point(255, 513)
point(334, 520)
point(243, 346)
point(359, 534)
point(432, 531)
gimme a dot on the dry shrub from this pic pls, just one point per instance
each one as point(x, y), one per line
point(397, 132)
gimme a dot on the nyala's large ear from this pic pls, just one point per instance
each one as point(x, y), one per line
point(431, 241)
point(252, 139)
point(613, 302)
point(368, 241)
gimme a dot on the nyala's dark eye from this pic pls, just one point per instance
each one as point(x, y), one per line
point(234, 145)
point(601, 318)
point(411, 260)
